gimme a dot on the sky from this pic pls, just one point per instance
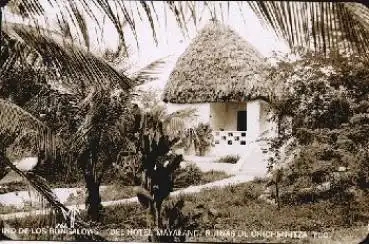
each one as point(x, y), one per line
point(171, 42)
point(174, 44)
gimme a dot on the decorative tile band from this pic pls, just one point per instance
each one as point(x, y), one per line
point(230, 138)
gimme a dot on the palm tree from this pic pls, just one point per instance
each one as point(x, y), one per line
point(99, 141)
point(61, 62)
point(94, 143)
point(19, 126)
point(72, 64)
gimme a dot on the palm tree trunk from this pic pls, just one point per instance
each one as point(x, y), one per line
point(277, 195)
point(87, 163)
point(3, 170)
point(159, 223)
point(93, 200)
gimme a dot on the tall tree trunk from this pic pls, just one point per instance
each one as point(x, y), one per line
point(88, 161)
point(277, 195)
point(159, 223)
point(3, 170)
point(93, 200)
point(277, 180)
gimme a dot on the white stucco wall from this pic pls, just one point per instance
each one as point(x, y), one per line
point(268, 125)
point(253, 120)
point(259, 120)
point(224, 115)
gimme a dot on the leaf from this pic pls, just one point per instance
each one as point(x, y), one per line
point(327, 23)
point(64, 63)
point(82, 24)
point(19, 125)
point(148, 73)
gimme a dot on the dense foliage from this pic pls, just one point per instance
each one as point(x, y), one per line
point(323, 112)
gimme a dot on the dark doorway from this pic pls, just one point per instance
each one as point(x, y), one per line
point(241, 120)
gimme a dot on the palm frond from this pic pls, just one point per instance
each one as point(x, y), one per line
point(17, 125)
point(118, 13)
point(25, 8)
point(177, 121)
point(321, 26)
point(82, 24)
point(185, 113)
point(63, 63)
point(148, 73)
point(104, 113)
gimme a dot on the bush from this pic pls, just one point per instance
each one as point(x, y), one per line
point(13, 186)
point(329, 111)
point(230, 159)
point(190, 175)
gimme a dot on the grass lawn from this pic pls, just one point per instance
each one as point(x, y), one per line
point(115, 191)
point(238, 209)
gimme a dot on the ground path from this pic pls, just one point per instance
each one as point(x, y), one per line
point(237, 171)
point(233, 180)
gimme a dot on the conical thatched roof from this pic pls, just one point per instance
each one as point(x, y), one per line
point(218, 66)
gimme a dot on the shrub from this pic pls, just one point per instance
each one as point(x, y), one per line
point(330, 125)
point(190, 175)
point(231, 159)
point(13, 186)
point(178, 219)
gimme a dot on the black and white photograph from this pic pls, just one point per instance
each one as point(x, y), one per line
point(184, 121)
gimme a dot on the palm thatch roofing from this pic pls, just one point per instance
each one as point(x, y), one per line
point(219, 66)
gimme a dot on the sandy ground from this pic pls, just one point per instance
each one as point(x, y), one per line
point(253, 162)
point(21, 198)
point(189, 190)
point(252, 165)
point(242, 169)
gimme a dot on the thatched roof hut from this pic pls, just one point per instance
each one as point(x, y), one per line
point(219, 66)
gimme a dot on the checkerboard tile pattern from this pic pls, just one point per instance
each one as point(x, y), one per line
point(230, 138)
